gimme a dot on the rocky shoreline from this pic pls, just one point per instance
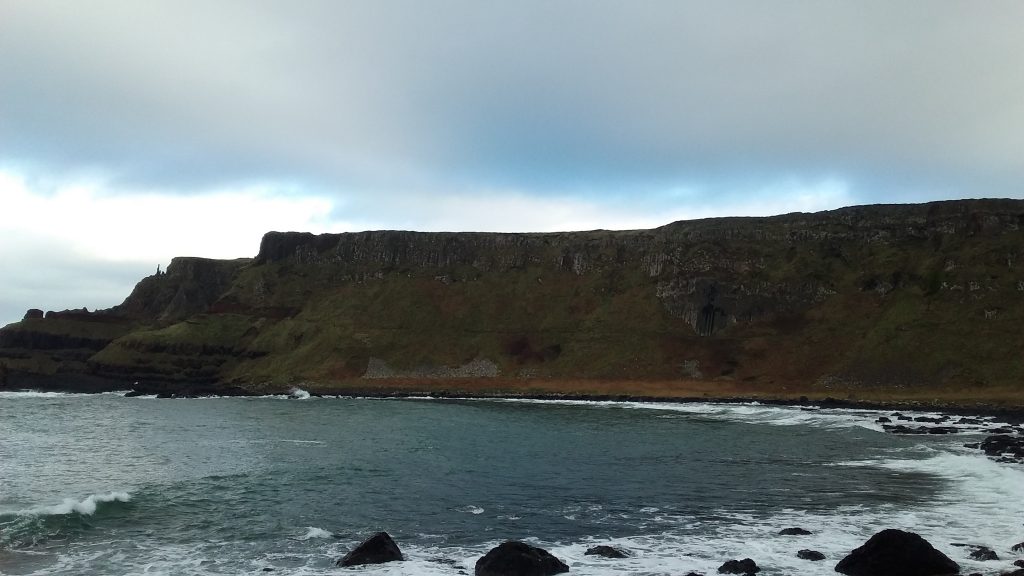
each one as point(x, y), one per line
point(1003, 426)
point(890, 552)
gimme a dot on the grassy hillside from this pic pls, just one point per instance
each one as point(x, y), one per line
point(908, 301)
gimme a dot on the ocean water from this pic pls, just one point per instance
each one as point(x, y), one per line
point(104, 484)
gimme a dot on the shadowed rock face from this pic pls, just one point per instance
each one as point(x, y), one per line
point(896, 553)
point(519, 559)
point(376, 549)
point(896, 297)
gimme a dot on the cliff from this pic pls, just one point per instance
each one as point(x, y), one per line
point(894, 300)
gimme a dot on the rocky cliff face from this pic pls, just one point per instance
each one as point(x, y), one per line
point(895, 296)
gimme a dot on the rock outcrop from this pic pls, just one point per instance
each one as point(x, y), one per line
point(745, 567)
point(376, 549)
point(896, 553)
point(515, 558)
point(606, 552)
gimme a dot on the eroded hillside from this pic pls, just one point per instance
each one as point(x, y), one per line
point(877, 299)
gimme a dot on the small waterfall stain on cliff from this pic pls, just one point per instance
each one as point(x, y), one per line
point(709, 312)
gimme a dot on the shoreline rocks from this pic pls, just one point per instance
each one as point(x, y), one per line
point(514, 558)
point(745, 566)
point(376, 549)
point(896, 553)
point(606, 552)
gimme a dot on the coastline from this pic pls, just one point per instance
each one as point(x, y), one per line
point(1008, 408)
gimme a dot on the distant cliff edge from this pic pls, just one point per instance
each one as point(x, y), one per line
point(888, 301)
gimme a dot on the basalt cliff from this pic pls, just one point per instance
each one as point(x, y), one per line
point(888, 301)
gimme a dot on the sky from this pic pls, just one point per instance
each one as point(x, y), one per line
point(135, 131)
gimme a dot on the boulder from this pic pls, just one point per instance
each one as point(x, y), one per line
point(794, 532)
point(376, 549)
point(1018, 547)
point(896, 553)
point(606, 551)
point(983, 554)
point(812, 555)
point(1018, 563)
point(514, 558)
point(745, 566)
point(1002, 443)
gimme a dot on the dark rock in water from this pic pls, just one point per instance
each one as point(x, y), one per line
point(905, 418)
point(901, 429)
point(606, 551)
point(883, 420)
point(812, 555)
point(794, 532)
point(1003, 444)
point(896, 553)
point(745, 566)
point(518, 559)
point(1018, 563)
point(983, 554)
point(376, 549)
point(1018, 547)
point(1014, 573)
point(943, 430)
point(929, 419)
point(973, 445)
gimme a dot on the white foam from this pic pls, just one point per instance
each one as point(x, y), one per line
point(35, 394)
point(470, 509)
point(85, 506)
point(314, 532)
point(298, 393)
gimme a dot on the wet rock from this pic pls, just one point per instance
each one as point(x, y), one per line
point(1014, 573)
point(930, 419)
point(1003, 445)
point(376, 549)
point(812, 555)
point(883, 420)
point(1018, 547)
point(794, 532)
point(943, 430)
point(514, 558)
point(1018, 563)
point(983, 553)
point(606, 551)
point(905, 418)
point(745, 566)
point(896, 553)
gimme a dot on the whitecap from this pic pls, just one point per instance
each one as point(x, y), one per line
point(470, 509)
point(86, 506)
point(314, 532)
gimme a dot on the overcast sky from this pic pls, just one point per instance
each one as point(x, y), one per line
point(135, 131)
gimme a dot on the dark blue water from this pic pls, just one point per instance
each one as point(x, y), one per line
point(112, 485)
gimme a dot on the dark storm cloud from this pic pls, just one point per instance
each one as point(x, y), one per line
point(910, 100)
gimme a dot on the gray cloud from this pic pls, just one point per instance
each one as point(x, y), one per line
point(907, 101)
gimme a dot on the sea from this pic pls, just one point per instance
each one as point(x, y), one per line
point(108, 484)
